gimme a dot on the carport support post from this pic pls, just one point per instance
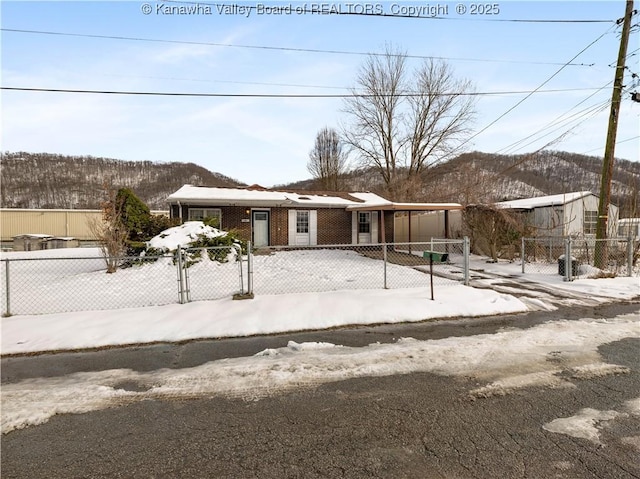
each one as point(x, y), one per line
point(409, 216)
point(6, 285)
point(384, 246)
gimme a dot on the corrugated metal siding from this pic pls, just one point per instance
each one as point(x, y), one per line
point(66, 223)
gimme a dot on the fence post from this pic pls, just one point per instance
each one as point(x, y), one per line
point(567, 260)
point(522, 254)
point(181, 288)
point(7, 311)
point(384, 259)
point(630, 256)
point(466, 250)
point(238, 250)
point(249, 268)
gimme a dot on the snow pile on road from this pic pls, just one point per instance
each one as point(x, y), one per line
point(515, 359)
point(583, 425)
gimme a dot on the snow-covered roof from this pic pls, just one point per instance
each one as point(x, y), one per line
point(542, 201)
point(34, 236)
point(261, 197)
point(256, 196)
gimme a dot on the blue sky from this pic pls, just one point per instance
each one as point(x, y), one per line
point(267, 140)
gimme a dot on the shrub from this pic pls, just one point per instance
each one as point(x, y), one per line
point(200, 237)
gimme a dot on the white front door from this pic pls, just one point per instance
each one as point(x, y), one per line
point(364, 227)
point(260, 228)
point(302, 228)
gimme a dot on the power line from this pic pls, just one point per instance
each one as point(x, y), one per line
point(583, 116)
point(286, 49)
point(273, 95)
point(617, 143)
point(559, 119)
point(534, 91)
point(233, 82)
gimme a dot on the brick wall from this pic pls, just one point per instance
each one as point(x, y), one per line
point(334, 224)
point(232, 217)
point(279, 226)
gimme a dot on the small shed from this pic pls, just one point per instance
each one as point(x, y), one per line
point(629, 228)
point(566, 214)
point(30, 242)
point(36, 242)
point(57, 242)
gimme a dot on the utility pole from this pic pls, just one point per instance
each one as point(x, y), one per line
point(600, 255)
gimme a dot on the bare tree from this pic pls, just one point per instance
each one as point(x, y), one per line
point(110, 231)
point(402, 122)
point(494, 231)
point(327, 161)
point(375, 111)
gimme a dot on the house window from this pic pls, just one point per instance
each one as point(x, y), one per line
point(200, 214)
point(364, 222)
point(302, 221)
point(590, 221)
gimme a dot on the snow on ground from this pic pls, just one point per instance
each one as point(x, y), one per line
point(516, 358)
point(582, 425)
point(65, 285)
point(262, 315)
point(348, 291)
point(621, 287)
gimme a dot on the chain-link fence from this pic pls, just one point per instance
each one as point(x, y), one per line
point(57, 285)
point(583, 257)
point(288, 269)
point(43, 285)
point(210, 273)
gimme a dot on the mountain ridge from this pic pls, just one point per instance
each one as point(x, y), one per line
point(44, 180)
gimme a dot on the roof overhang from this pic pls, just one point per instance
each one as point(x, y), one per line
point(408, 207)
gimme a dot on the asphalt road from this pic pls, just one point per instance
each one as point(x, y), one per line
point(412, 426)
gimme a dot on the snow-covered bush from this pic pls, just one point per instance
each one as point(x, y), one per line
point(196, 237)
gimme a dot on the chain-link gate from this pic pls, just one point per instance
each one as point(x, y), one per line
point(581, 257)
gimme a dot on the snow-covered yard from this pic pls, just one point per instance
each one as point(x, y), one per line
point(57, 281)
point(357, 298)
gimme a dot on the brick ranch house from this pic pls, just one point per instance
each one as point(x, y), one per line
point(293, 217)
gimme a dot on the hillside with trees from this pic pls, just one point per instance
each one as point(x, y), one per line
point(475, 177)
point(38, 180)
point(43, 180)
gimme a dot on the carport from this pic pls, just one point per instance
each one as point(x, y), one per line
point(407, 208)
